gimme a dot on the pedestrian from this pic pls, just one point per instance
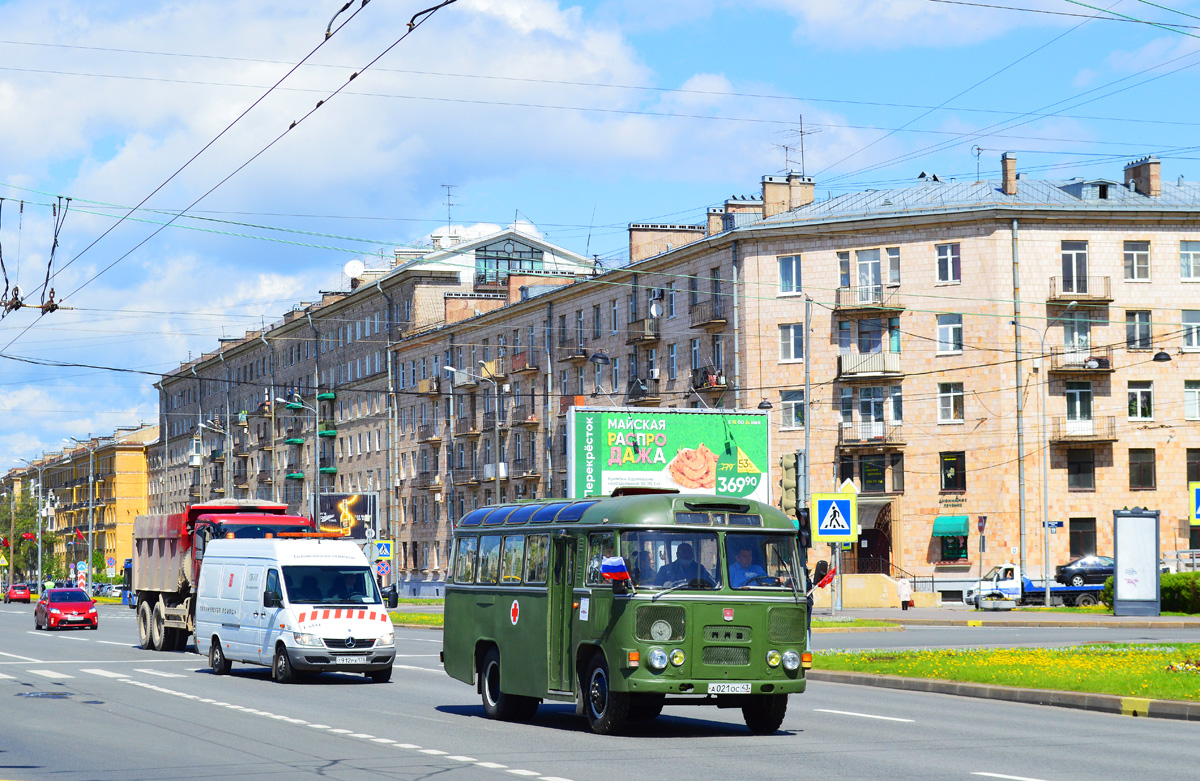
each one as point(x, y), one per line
point(904, 591)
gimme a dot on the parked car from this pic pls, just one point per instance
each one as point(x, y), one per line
point(63, 607)
point(1088, 569)
point(17, 592)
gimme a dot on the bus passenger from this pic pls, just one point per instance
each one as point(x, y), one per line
point(685, 568)
point(643, 568)
point(743, 572)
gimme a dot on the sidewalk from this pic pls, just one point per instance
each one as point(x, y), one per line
point(963, 615)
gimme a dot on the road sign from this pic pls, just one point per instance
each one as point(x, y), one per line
point(72, 567)
point(382, 568)
point(383, 549)
point(370, 534)
point(81, 579)
point(110, 561)
point(1194, 502)
point(1052, 524)
point(982, 523)
point(3, 561)
point(836, 517)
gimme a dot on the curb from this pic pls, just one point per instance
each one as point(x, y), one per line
point(1023, 624)
point(1102, 703)
point(821, 630)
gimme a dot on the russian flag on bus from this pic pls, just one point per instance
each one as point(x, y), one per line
point(613, 568)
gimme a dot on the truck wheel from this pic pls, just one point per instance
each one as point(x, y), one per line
point(606, 710)
point(143, 625)
point(1086, 600)
point(216, 658)
point(1077, 580)
point(764, 712)
point(282, 669)
point(158, 628)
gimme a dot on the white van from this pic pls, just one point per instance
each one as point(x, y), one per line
point(299, 605)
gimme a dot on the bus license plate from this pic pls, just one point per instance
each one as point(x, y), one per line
point(729, 688)
point(347, 660)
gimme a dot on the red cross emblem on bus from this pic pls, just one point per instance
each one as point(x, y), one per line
point(728, 614)
point(514, 612)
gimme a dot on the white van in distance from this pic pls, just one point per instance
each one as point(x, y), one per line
point(297, 605)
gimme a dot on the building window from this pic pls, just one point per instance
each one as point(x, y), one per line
point(672, 364)
point(1141, 468)
point(1141, 400)
point(614, 316)
point(792, 404)
point(949, 334)
point(954, 548)
point(949, 263)
point(1193, 467)
point(873, 470)
point(950, 402)
point(670, 300)
point(897, 472)
point(695, 354)
point(596, 321)
point(843, 269)
point(1137, 261)
point(789, 274)
point(954, 471)
point(1191, 329)
point(1081, 470)
point(1191, 399)
point(1137, 329)
point(616, 373)
point(1083, 537)
point(791, 342)
point(1189, 261)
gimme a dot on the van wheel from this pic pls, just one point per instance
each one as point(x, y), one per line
point(381, 676)
point(158, 627)
point(282, 669)
point(217, 660)
point(764, 712)
point(497, 704)
point(606, 710)
point(143, 626)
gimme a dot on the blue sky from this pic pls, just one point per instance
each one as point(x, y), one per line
point(579, 118)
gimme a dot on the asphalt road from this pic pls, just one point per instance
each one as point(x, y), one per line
point(90, 705)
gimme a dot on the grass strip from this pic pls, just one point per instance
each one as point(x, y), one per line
point(417, 619)
point(1165, 671)
point(421, 601)
point(858, 622)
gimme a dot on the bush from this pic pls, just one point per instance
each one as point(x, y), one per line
point(1180, 592)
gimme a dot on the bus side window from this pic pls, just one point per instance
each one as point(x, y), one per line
point(464, 565)
point(601, 544)
point(537, 558)
point(489, 559)
point(514, 558)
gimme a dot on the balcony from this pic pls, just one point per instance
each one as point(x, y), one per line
point(490, 420)
point(867, 298)
point(526, 468)
point(525, 415)
point(1094, 430)
point(1095, 360)
point(466, 427)
point(463, 380)
point(571, 347)
point(217, 484)
point(869, 434)
point(241, 450)
point(491, 281)
point(294, 436)
point(265, 477)
point(643, 392)
point(266, 443)
point(708, 314)
point(566, 402)
point(326, 396)
point(217, 456)
point(327, 428)
point(1089, 290)
point(709, 378)
point(868, 365)
point(294, 472)
point(643, 331)
point(496, 369)
point(429, 432)
point(194, 491)
point(525, 361)
point(241, 480)
point(489, 472)
point(429, 387)
point(428, 479)
point(465, 476)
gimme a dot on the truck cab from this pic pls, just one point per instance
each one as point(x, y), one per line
point(1001, 579)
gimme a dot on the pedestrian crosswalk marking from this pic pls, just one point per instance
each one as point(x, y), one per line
point(49, 674)
point(159, 673)
point(105, 673)
point(4, 677)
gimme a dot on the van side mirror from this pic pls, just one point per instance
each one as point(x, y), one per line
point(271, 599)
point(393, 600)
point(821, 570)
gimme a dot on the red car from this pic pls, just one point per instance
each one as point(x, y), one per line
point(17, 592)
point(63, 607)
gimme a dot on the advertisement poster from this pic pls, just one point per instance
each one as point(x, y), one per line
point(716, 452)
point(349, 514)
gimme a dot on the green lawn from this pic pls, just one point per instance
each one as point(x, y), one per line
point(421, 601)
point(857, 622)
point(1168, 671)
point(417, 619)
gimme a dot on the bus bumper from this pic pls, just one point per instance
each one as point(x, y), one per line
point(693, 687)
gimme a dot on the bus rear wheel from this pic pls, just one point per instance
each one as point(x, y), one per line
point(606, 710)
point(497, 704)
point(764, 712)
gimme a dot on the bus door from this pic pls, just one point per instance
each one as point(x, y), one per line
point(561, 611)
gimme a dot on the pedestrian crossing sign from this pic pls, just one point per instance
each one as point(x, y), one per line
point(3, 561)
point(1194, 502)
point(383, 550)
point(836, 517)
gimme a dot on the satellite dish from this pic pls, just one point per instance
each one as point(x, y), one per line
point(354, 269)
point(656, 309)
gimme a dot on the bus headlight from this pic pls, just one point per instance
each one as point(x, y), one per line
point(657, 658)
point(678, 657)
point(791, 660)
point(302, 638)
point(773, 658)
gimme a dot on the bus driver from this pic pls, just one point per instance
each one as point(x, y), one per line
point(685, 568)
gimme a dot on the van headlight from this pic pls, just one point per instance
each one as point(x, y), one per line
point(657, 658)
point(773, 658)
point(303, 638)
point(387, 640)
point(791, 660)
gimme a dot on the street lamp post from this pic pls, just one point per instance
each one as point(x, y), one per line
point(40, 469)
point(91, 542)
point(495, 420)
point(296, 404)
point(12, 530)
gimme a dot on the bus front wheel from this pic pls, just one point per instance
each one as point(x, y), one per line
point(764, 712)
point(606, 710)
point(497, 704)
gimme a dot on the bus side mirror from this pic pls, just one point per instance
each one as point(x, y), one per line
point(821, 570)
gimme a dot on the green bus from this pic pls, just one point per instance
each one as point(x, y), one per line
point(712, 612)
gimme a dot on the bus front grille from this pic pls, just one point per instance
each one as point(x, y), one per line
point(728, 656)
point(653, 621)
point(785, 625)
point(726, 634)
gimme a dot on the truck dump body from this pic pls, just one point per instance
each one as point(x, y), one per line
point(161, 549)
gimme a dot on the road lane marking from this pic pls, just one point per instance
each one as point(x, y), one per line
point(159, 673)
point(864, 715)
point(407, 745)
point(340, 731)
point(361, 735)
point(49, 674)
point(114, 642)
point(319, 726)
point(382, 740)
point(1010, 778)
point(105, 673)
point(22, 658)
point(525, 772)
point(77, 639)
point(4, 677)
point(461, 758)
point(434, 752)
point(412, 667)
point(491, 765)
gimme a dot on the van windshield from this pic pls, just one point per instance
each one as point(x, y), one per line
point(330, 585)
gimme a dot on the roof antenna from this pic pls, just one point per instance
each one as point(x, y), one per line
point(977, 151)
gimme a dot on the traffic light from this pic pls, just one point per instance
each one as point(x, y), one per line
point(790, 481)
point(805, 531)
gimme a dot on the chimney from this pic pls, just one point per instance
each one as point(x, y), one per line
point(716, 220)
point(1008, 170)
point(803, 190)
point(776, 196)
point(1146, 176)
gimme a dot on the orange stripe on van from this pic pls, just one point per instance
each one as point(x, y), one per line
point(326, 614)
point(362, 613)
point(300, 620)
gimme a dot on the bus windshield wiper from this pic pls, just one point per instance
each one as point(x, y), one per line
point(792, 580)
point(665, 591)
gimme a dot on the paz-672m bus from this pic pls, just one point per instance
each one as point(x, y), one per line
point(625, 604)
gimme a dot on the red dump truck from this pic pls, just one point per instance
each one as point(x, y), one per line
point(168, 549)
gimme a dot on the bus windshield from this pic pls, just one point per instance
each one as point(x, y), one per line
point(672, 559)
point(330, 585)
point(761, 560)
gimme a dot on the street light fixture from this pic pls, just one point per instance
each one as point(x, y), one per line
point(91, 541)
point(40, 469)
point(297, 404)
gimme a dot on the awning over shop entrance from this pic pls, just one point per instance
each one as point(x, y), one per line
point(950, 526)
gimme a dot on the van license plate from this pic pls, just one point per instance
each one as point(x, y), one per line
point(729, 688)
point(347, 660)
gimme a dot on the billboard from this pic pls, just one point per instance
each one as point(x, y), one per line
point(716, 452)
point(350, 514)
